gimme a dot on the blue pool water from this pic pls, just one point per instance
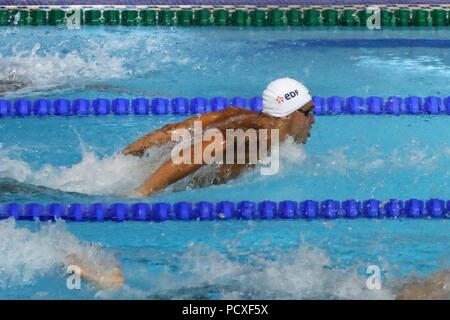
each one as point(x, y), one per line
point(76, 160)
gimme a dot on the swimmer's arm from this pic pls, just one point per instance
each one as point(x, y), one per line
point(166, 174)
point(436, 287)
point(164, 134)
point(102, 278)
point(170, 172)
point(155, 138)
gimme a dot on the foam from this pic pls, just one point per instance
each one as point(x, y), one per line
point(12, 168)
point(44, 71)
point(119, 175)
point(423, 63)
point(305, 272)
point(411, 155)
point(111, 175)
point(26, 256)
point(81, 59)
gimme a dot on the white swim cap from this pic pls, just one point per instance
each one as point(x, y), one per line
point(284, 96)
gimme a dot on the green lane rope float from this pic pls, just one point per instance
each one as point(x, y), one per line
point(198, 16)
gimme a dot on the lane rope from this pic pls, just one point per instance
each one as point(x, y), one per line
point(335, 105)
point(222, 15)
point(226, 210)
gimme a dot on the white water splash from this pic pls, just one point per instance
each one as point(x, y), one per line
point(110, 175)
point(394, 63)
point(49, 70)
point(119, 174)
point(405, 157)
point(26, 255)
point(81, 60)
point(12, 168)
point(306, 272)
point(113, 175)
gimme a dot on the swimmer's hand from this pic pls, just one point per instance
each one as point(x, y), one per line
point(98, 275)
point(133, 194)
point(135, 149)
point(138, 147)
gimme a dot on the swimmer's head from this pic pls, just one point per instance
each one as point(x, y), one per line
point(284, 96)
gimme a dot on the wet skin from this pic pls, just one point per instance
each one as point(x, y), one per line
point(297, 125)
point(433, 287)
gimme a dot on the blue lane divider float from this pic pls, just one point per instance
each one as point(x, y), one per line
point(123, 106)
point(334, 105)
point(226, 210)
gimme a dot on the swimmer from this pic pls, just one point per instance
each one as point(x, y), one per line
point(11, 86)
point(434, 287)
point(287, 106)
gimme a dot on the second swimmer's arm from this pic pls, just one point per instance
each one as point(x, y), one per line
point(103, 277)
point(436, 286)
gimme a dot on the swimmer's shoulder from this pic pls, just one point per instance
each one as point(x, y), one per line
point(231, 111)
point(230, 114)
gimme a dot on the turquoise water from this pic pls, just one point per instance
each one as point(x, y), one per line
point(75, 160)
